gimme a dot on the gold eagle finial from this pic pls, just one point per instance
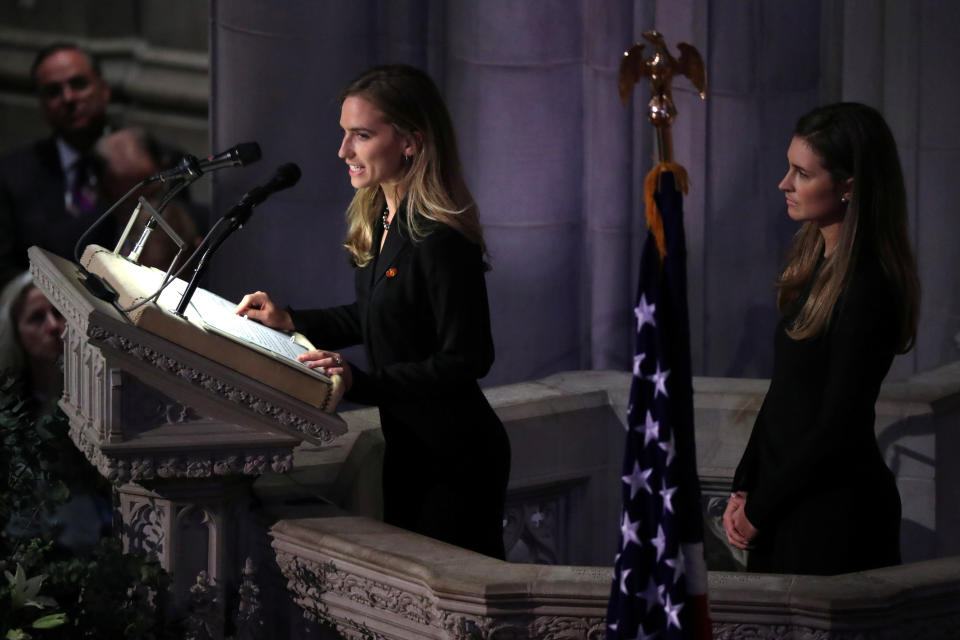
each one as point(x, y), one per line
point(660, 68)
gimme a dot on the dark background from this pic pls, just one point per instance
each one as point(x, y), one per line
point(555, 161)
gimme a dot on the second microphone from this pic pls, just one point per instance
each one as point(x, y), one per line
point(285, 177)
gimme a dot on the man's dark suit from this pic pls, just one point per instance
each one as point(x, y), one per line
point(32, 209)
point(422, 314)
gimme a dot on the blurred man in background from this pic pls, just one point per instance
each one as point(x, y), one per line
point(48, 190)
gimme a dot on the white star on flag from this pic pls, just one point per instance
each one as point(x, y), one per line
point(652, 595)
point(651, 429)
point(670, 448)
point(623, 581)
point(644, 313)
point(672, 611)
point(667, 494)
point(659, 380)
point(642, 636)
point(638, 480)
point(660, 542)
point(637, 360)
point(677, 565)
point(629, 531)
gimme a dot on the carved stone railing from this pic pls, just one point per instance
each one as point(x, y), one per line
point(920, 601)
point(370, 580)
point(367, 579)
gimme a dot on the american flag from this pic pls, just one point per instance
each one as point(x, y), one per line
point(659, 580)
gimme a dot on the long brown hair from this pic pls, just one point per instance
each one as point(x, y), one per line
point(432, 185)
point(852, 141)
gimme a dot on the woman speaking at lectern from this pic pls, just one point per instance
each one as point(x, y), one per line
point(812, 493)
point(421, 312)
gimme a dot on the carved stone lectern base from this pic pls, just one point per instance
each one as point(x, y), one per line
point(182, 435)
point(190, 526)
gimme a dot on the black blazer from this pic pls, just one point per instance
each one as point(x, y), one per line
point(422, 313)
point(32, 208)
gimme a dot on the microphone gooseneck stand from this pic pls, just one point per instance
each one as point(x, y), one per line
point(235, 219)
point(285, 177)
point(187, 171)
point(190, 173)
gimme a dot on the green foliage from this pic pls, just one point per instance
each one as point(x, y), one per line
point(30, 489)
point(100, 594)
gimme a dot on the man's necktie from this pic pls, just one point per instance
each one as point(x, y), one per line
point(82, 196)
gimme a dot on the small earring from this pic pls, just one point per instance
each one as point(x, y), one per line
point(407, 158)
point(843, 200)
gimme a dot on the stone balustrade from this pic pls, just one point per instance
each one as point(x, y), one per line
point(368, 579)
point(371, 580)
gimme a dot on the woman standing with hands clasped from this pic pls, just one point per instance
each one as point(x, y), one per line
point(812, 494)
point(421, 312)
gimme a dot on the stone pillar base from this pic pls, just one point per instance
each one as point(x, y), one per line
point(190, 526)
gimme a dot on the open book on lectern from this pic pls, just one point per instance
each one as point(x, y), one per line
point(217, 314)
point(210, 327)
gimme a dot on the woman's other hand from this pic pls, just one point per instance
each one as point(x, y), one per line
point(328, 363)
point(743, 527)
point(258, 306)
point(731, 515)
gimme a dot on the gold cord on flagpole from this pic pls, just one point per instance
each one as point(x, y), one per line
point(650, 187)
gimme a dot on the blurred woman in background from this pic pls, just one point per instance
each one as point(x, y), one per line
point(30, 340)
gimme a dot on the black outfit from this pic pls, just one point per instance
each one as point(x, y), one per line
point(33, 212)
point(819, 493)
point(422, 314)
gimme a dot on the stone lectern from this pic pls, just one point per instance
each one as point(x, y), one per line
point(181, 435)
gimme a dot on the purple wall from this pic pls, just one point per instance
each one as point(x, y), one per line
point(554, 160)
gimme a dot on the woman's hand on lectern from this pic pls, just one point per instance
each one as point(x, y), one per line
point(328, 363)
point(258, 306)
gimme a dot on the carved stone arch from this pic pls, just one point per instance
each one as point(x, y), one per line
point(185, 510)
point(194, 530)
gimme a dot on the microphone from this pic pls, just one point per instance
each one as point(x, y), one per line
point(241, 155)
point(286, 176)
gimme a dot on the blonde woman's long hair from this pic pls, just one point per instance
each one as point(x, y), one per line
point(852, 141)
point(432, 185)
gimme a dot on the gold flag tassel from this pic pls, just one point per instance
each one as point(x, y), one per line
point(650, 187)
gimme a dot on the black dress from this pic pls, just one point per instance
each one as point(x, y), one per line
point(819, 493)
point(422, 314)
